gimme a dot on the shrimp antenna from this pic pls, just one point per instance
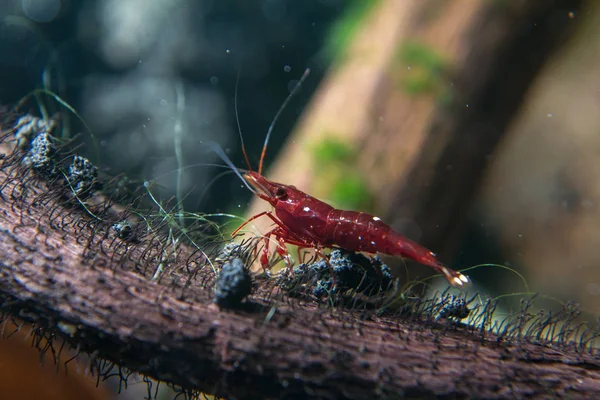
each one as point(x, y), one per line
point(217, 149)
point(287, 100)
point(237, 119)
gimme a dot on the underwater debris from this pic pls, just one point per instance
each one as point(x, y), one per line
point(83, 177)
point(123, 229)
point(40, 157)
point(233, 284)
point(230, 250)
point(353, 272)
point(454, 307)
point(28, 126)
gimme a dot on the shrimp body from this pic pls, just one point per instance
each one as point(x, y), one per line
point(305, 221)
point(359, 231)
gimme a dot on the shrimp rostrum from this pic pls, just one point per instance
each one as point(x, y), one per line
point(307, 222)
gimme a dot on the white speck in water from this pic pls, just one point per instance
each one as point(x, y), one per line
point(227, 51)
point(467, 105)
point(550, 115)
point(373, 243)
point(287, 68)
point(306, 209)
point(593, 289)
point(520, 235)
point(376, 219)
point(163, 102)
point(571, 14)
point(360, 238)
point(409, 67)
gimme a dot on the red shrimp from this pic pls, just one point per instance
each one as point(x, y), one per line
point(307, 222)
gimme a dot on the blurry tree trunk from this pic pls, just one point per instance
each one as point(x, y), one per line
point(423, 95)
point(503, 51)
point(542, 190)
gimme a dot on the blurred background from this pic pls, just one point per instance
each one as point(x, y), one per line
point(470, 126)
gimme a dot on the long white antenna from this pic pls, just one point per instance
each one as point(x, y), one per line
point(287, 100)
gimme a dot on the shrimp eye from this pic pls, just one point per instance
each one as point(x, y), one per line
point(281, 194)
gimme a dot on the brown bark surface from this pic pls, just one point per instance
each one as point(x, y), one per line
point(66, 273)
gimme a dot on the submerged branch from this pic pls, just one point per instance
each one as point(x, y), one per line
point(71, 276)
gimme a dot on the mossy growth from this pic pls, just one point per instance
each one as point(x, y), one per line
point(351, 192)
point(343, 183)
point(423, 70)
point(345, 28)
point(333, 150)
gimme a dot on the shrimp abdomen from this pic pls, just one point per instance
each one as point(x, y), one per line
point(358, 231)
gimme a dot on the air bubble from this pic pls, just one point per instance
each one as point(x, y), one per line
point(287, 68)
point(42, 11)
